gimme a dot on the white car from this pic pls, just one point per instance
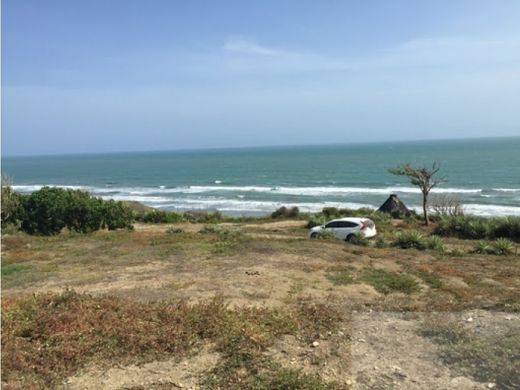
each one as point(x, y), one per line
point(346, 228)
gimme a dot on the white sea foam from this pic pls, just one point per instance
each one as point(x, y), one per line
point(282, 190)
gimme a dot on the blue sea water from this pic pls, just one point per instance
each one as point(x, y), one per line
point(483, 173)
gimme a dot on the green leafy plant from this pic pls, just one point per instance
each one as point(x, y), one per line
point(503, 247)
point(174, 230)
point(410, 239)
point(435, 243)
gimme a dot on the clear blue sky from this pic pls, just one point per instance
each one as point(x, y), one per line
point(95, 76)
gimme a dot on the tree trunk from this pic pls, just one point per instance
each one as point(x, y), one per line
point(425, 208)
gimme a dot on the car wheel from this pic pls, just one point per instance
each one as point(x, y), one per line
point(314, 235)
point(349, 238)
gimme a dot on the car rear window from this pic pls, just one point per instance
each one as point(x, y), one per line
point(369, 223)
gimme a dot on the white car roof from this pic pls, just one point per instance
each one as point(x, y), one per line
point(350, 219)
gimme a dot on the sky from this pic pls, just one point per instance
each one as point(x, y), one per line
point(130, 75)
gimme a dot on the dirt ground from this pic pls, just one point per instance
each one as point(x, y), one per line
point(271, 265)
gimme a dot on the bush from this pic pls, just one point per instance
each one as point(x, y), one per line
point(410, 239)
point(381, 242)
point(483, 248)
point(358, 239)
point(12, 207)
point(478, 228)
point(44, 211)
point(324, 234)
point(174, 230)
point(117, 215)
point(284, 212)
point(503, 247)
point(435, 243)
point(50, 209)
point(161, 216)
point(315, 220)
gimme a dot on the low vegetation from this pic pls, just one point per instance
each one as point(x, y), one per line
point(479, 228)
point(285, 212)
point(500, 247)
point(49, 337)
point(387, 282)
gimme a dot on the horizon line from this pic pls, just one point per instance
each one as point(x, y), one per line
point(250, 147)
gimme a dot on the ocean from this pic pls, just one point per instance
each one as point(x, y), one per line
point(484, 174)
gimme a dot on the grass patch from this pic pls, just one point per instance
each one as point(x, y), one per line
point(9, 269)
point(387, 282)
point(228, 238)
point(340, 275)
point(430, 278)
point(48, 337)
point(486, 357)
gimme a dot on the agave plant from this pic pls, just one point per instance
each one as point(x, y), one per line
point(503, 247)
point(411, 239)
point(436, 243)
point(483, 247)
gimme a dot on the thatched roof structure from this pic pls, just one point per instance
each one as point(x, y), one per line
point(393, 205)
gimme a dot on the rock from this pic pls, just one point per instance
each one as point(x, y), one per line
point(315, 344)
point(469, 319)
point(491, 385)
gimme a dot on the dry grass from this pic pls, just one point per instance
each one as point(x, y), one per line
point(49, 337)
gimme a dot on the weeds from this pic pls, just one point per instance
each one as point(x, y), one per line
point(387, 282)
point(9, 269)
point(324, 234)
point(340, 275)
point(46, 338)
point(358, 239)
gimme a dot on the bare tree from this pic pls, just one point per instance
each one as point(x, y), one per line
point(423, 178)
point(446, 205)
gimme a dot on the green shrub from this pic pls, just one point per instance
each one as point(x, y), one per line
point(44, 211)
point(410, 239)
point(174, 230)
point(284, 212)
point(50, 209)
point(358, 239)
point(117, 215)
point(478, 228)
point(482, 247)
point(324, 234)
point(503, 247)
point(435, 243)
point(12, 207)
point(315, 220)
point(380, 242)
point(161, 216)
